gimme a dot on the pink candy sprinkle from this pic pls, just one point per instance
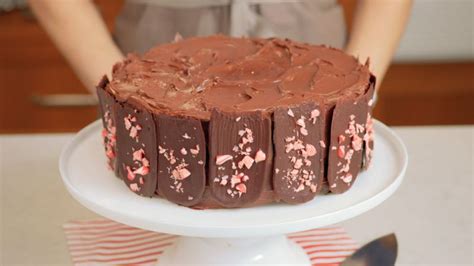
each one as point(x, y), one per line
point(322, 144)
point(161, 150)
point(127, 123)
point(341, 138)
point(184, 173)
point(290, 113)
point(133, 132)
point(248, 161)
point(310, 150)
point(183, 151)
point(300, 188)
point(356, 143)
point(298, 164)
point(340, 151)
point(142, 170)
point(195, 151)
point(300, 122)
point(260, 156)
point(180, 174)
point(315, 113)
point(347, 178)
point(134, 187)
point(303, 131)
point(289, 147)
point(235, 180)
point(138, 155)
point(242, 188)
point(221, 159)
point(130, 174)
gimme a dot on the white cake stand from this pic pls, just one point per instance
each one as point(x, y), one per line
point(231, 237)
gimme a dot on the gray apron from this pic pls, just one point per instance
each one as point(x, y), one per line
point(143, 24)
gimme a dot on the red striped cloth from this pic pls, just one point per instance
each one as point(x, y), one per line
point(105, 242)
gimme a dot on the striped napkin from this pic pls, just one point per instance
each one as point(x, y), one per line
point(105, 242)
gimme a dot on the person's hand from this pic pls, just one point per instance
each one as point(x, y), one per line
point(81, 35)
point(377, 28)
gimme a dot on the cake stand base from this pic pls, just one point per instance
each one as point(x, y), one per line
point(243, 236)
point(271, 250)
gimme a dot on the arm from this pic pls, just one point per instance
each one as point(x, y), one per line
point(376, 31)
point(81, 35)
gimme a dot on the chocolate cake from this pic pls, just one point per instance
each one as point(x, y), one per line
point(221, 122)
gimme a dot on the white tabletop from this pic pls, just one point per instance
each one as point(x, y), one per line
point(431, 213)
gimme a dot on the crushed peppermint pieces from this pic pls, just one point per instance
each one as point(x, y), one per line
point(298, 177)
point(142, 169)
point(109, 138)
point(341, 151)
point(347, 178)
point(132, 127)
point(221, 159)
point(138, 155)
point(242, 188)
point(322, 144)
point(260, 156)
point(248, 161)
point(235, 183)
point(134, 187)
point(355, 144)
point(290, 113)
point(368, 139)
point(314, 115)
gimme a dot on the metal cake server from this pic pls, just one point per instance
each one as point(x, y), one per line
point(379, 252)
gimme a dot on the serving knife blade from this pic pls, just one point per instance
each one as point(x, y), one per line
point(379, 252)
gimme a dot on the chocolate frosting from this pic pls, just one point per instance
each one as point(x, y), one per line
point(193, 76)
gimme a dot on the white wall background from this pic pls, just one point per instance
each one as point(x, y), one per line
point(439, 30)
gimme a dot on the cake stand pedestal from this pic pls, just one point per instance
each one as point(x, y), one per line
point(227, 236)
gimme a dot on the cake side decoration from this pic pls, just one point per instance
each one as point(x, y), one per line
point(182, 159)
point(297, 135)
point(347, 141)
point(239, 157)
point(136, 148)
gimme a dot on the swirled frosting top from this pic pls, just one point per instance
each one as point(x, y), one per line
point(192, 76)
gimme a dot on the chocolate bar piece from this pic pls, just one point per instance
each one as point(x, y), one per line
point(369, 128)
point(106, 105)
point(136, 148)
point(299, 148)
point(182, 159)
point(347, 141)
point(240, 157)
